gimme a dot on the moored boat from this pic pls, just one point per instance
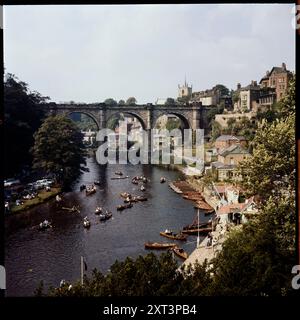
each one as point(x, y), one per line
point(159, 245)
point(119, 173)
point(97, 182)
point(180, 252)
point(162, 179)
point(197, 230)
point(171, 235)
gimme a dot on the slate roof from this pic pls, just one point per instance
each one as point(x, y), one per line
point(226, 137)
point(233, 149)
point(221, 165)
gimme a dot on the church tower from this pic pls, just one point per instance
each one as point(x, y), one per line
point(185, 90)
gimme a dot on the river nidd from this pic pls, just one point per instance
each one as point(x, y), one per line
point(54, 254)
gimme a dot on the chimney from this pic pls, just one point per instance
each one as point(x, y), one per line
point(283, 66)
point(267, 73)
point(255, 83)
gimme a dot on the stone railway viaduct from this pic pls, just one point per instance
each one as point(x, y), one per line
point(193, 116)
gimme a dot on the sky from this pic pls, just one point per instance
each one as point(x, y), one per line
point(90, 53)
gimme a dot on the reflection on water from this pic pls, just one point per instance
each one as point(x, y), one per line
point(54, 254)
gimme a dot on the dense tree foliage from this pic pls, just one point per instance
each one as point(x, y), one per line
point(183, 100)
point(84, 122)
point(111, 102)
point(272, 166)
point(22, 117)
point(170, 101)
point(224, 91)
point(121, 102)
point(131, 100)
point(58, 149)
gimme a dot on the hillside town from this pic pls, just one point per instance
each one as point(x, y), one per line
point(149, 151)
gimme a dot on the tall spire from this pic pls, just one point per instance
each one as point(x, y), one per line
point(185, 80)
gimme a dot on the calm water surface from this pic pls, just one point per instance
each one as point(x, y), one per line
point(54, 254)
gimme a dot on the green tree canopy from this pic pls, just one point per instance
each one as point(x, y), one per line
point(183, 100)
point(121, 102)
point(223, 90)
point(131, 100)
point(110, 102)
point(170, 101)
point(58, 149)
point(23, 115)
point(273, 158)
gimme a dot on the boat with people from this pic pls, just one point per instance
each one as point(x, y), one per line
point(159, 245)
point(124, 206)
point(98, 210)
point(90, 190)
point(105, 216)
point(162, 179)
point(118, 173)
point(97, 182)
point(86, 222)
point(125, 195)
point(45, 225)
point(180, 252)
point(171, 235)
point(134, 181)
point(143, 188)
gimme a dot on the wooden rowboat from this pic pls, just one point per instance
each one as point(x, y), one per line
point(196, 230)
point(171, 235)
point(88, 192)
point(124, 206)
point(180, 253)
point(158, 245)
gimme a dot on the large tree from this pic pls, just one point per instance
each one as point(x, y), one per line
point(58, 149)
point(224, 91)
point(272, 166)
point(131, 100)
point(110, 102)
point(170, 101)
point(22, 117)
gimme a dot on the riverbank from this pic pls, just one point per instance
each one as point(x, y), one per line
point(42, 197)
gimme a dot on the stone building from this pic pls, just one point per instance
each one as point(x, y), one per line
point(278, 78)
point(225, 141)
point(247, 97)
point(233, 155)
point(210, 97)
point(222, 119)
point(185, 90)
point(228, 159)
